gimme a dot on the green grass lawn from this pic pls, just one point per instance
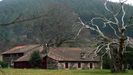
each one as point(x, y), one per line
point(59, 72)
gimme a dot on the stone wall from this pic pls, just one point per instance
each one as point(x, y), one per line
point(83, 65)
point(52, 64)
point(98, 65)
point(61, 65)
point(73, 65)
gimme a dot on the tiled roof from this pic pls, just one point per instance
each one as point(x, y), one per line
point(20, 49)
point(27, 56)
point(59, 54)
point(71, 54)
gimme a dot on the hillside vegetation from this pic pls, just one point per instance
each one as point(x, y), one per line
point(21, 33)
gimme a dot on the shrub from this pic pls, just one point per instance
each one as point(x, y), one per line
point(3, 64)
point(35, 59)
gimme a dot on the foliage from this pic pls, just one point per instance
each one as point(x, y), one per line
point(10, 9)
point(106, 62)
point(35, 59)
point(129, 56)
point(3, 64)
point(129, 60)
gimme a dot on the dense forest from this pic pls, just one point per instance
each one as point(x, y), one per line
point(22, 33)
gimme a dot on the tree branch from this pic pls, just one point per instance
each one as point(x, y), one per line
point(114, 16)
point(21, 21)
point(97, 29)
point(115, 32)
point(123, 15)
point(79, 32)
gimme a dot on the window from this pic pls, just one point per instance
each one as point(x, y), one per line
point(6, 55)
point(91, 65)
point(66, 65)
point(79, 65)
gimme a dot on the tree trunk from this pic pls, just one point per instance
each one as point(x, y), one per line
point(45, 52)
point(118, 58)
point(117, 62)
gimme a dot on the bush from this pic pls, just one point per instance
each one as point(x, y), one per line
point(106, 62)
point(129, 59)
point(3, 64)
point(35, 59)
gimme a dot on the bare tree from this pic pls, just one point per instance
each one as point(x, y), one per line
point(57, 26)
point(115, 47)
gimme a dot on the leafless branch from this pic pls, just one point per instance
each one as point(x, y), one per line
point(97, 29)
point(114, 15)
point(106, 22)
point(115, 32)
point(79, 32)
point(16, 20)
point(130, 25)
point(123, 15)
point(99, 48)
point(122, 1)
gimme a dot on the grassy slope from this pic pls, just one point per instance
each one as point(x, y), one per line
point(59, 72)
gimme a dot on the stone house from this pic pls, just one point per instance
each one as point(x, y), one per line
point(57, 58)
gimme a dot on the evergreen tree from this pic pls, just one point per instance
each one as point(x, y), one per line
point(35, 59)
